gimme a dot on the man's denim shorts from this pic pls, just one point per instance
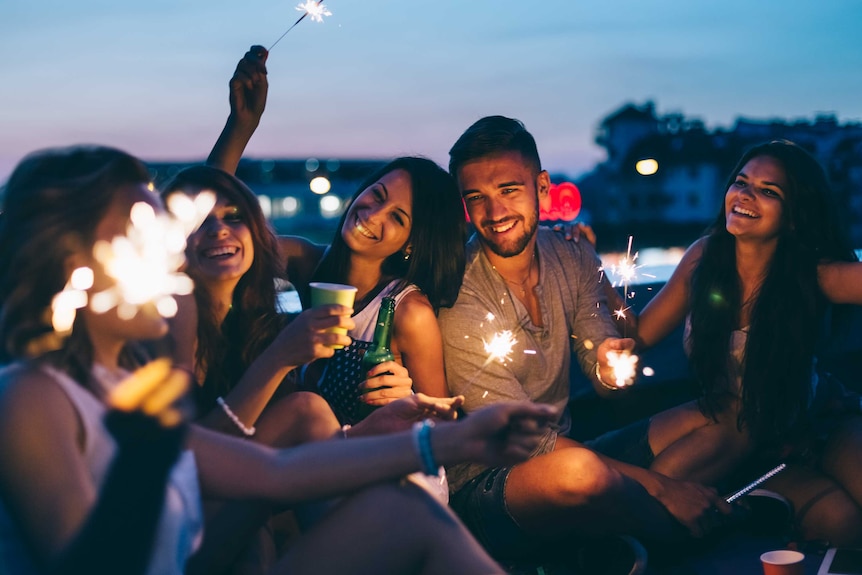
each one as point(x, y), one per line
point(481, 505)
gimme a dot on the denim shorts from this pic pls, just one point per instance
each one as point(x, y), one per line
point(629, 444)
point(481, 505)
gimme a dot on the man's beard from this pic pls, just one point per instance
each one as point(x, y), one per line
point(514, 247)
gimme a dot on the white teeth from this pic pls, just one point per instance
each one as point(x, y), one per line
point(744, 212)
point(364, 231)
point(220, 251)
point(504, 227)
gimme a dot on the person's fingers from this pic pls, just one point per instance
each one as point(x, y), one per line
point(331, 309)
point(170, 417)
point(166, 393)
point(129, 394)
point(259, 52)
point(388, 367)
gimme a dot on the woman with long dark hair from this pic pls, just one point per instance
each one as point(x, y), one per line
point(754, 294)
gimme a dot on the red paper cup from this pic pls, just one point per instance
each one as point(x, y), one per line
point(782, 562)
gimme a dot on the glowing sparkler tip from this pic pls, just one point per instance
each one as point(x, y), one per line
point(500, 346)
point(621, 313)
point(624, 365)
point(314, 9)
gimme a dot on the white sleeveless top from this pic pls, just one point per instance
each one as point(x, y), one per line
point(180, 527)
point(366, 320)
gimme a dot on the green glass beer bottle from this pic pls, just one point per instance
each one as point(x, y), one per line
point(379, 350)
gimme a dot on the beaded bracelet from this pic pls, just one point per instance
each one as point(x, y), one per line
point(605, 385)
point(422, 443)
point(247, 431)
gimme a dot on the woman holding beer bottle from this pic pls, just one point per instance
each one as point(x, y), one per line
point(402, 235)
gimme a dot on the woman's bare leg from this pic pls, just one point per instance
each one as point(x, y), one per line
point(298, 418)
point(828, 501)
point(389, 528)
point(690, 446)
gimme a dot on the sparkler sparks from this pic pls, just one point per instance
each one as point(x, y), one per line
point(311, 8)
point(624, 366)
point(621, 313)
point(500, 347)
point(626, 272)
point(144, 264)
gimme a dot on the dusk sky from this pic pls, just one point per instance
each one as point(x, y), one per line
point(381, 78)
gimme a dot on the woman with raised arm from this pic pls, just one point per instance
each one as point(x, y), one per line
point(402, 235)
point(55, 448)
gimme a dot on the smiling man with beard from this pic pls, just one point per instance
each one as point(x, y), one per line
point(528, 295)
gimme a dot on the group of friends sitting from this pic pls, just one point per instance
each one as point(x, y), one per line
point(234, 437)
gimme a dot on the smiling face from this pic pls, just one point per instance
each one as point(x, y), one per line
point(379, 221)
point(221, 251)
point(754, 202)
point(502, 192)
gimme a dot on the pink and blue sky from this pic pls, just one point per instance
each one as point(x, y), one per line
point(382, 77)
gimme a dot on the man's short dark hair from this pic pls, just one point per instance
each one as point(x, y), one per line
point(493, 135)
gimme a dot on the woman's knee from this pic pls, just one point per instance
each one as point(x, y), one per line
point(300, 417)
point(835, 518)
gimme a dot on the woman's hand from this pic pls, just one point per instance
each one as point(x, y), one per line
point(385, 383)
point(249, 87)
point(307, 338)
point(575, 231)
point(157, 391)
point(401, 414)
point(699, 508)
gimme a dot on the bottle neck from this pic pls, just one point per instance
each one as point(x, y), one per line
point(383, 328)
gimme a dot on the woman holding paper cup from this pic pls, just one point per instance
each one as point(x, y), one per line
point(402, 234)
point(754, 294)
point(58, 458)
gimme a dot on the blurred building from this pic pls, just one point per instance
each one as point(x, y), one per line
point(671, 170)
point(300, 197)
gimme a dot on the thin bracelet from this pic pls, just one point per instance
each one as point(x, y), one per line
point(605, 385)
point(247, 431)
point(422, 443)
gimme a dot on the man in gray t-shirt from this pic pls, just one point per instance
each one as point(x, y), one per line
point(529, 297)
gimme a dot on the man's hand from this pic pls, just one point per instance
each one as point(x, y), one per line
point(617, 367)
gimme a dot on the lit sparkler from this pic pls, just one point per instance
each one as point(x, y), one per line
point(624, 365)
point(500, 347)
point(311, 8)
point(626, 271)
point(144, 264)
